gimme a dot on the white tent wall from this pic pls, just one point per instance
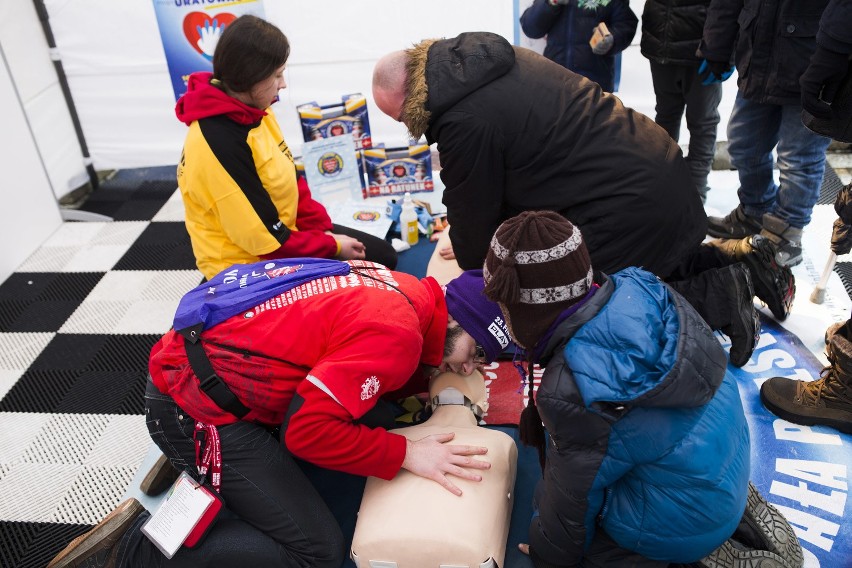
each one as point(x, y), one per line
point(37, 84)
point(116, 66)
point(29, 213)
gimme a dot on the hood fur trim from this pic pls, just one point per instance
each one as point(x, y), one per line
point(415, 115)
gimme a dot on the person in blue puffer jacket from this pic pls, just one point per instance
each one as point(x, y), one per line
point(569, 25)
point(647, 462)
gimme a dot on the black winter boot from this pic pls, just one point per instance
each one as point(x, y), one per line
point(724, 298)
point(763, 527)
point(734, 225)
point(773, 282)
point(787, 239)
point(743, 322)
point(826, 401)
point(732, 554)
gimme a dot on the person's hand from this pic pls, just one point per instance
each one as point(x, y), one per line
point(209, 36)
point(821, 80)
point(603, 46)
point(714, 71)
point(431, 457)
point(447, 252)
point(524, 547)
point(350, 248)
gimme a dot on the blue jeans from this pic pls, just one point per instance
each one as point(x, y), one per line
point(753, 131)
point(275, 516)
point(678, 87)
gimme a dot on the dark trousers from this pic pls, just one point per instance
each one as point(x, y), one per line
point(678, 87)
point(275, 516)
point(378, 250)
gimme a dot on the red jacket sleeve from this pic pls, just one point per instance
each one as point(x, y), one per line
point(310, 240)
point(324, 433)
point(311, 215)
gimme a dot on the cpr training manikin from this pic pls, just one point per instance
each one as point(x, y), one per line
point(412, 522)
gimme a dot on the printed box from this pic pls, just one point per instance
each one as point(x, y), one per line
point(346, 117)
point(394, 171)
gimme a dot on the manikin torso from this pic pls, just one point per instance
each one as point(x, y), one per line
point(412, 522)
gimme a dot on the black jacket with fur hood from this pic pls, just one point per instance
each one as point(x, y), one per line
point(518, 132)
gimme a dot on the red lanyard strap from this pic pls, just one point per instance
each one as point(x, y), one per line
point(210, 457)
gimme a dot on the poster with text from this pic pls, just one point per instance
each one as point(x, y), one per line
point(190, 30)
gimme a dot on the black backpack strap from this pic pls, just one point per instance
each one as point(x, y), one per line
point(208, 380)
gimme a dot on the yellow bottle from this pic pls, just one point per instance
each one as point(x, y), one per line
point(408, 221)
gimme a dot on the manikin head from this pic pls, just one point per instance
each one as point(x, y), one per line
point(453, 389)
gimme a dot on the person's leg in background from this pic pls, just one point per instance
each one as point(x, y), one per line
point(753, 132)
point(801, 164)
point(702, 118)
point(671, 100)
point(378, 250)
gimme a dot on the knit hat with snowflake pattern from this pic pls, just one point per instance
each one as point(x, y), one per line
point(536, 267)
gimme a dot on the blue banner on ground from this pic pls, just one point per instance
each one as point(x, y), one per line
point(190, 30)
point(801, 470)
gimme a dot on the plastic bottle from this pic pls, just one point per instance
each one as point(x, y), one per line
point(408, 221)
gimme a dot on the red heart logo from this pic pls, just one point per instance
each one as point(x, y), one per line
point(197, 20)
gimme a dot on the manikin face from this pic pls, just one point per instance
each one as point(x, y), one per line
point(461, 354)
point(265, 92)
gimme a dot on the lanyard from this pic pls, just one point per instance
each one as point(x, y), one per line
point(211, 457)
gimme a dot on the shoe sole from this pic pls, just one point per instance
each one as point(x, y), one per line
point(726, 556)
point(159, 478)
point(117, 522)
point(763, 262)
point(808, 415)
point(777, 533)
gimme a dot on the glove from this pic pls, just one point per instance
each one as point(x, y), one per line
point(603, 46)
point(843, 204)
point(841, 237)
point(714, 71)
point(821, 80)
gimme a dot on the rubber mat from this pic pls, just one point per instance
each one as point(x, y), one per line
point(831, 185)
point(161, 246)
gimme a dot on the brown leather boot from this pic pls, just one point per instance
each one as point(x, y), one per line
point(97, 548)
point(826, 401)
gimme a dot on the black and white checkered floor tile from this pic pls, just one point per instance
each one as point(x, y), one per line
point(78, 319)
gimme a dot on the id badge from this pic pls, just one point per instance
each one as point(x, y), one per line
point(188, 512)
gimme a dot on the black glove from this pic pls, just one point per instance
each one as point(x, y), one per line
point(821, 80)
point(714, 71)
point(841, 237)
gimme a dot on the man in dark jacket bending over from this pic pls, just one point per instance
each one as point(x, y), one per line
point(517, 132)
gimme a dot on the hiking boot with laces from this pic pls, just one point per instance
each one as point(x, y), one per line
point(744, 326)
point(826, 401)
point(97, 548)
point(763, 527)
point(787, 239)
point(734, 225)
point(773, 283)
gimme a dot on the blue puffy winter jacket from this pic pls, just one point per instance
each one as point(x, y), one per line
point(648, 436)
point(569, 28)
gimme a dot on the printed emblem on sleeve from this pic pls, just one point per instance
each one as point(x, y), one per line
point(370, 388)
